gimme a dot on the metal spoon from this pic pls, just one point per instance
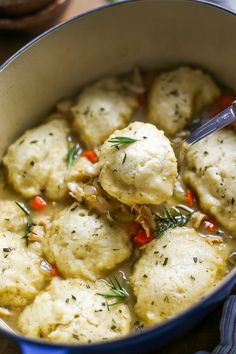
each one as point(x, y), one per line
point(218, 122)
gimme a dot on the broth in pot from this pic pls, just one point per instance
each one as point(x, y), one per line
point(99, 234)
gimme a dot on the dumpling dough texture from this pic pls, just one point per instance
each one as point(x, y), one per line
point(84, 244)
point(70, 311)
point(36, 162)
point(175, 272)
point(12, 218)
point(143, 172)
point(21, 277)
point(176, 96)
point(102, 108)
point(211, 172)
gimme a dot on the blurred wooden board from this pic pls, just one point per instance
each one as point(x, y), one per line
point(205, 336)
point(10, 43)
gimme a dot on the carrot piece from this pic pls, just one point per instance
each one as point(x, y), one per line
point(222, 103)
point(190, 197)
point(141, 238)
point(134, 228)
point(90, 155)
point(210, 225)
point(54, 272)
point(38, 203)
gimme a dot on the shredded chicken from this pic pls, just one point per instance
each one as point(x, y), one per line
point(135, 84)
point(214, 239)
point(145, 217)
point(197, 219)
point(83, 170)
point(97, 199)
point(37, 233)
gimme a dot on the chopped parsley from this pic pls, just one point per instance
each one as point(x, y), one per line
point(7, 249)
point(75, 336)
point(166, 299)
point(124, 158)
point(74, 208)
point(165, 261)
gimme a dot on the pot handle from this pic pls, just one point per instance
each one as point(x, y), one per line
point(29, 348)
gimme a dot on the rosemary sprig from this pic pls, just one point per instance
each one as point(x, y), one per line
point(73, 150)
point(28, 230)
point(121, 140)
point(23, 208)
point(117, 292)
point(29, 223)
point(173, 218)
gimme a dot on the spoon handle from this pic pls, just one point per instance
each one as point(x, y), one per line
point(219, 121)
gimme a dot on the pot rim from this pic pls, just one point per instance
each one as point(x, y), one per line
point(98, 9)
point(149, 332)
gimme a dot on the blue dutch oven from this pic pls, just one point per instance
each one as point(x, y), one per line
point(114, 39)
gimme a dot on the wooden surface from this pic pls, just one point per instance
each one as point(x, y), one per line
point(205, 336)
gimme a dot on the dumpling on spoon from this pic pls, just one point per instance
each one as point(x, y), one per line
point(138, 165)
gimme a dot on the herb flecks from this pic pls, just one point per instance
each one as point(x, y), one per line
point(117, 293)
point(28, 230)
point(7, 249)
point(72, 153)
point(172, 218)
point(121, 140)
point(124, 158)
point(165, 261)
point(29, 223)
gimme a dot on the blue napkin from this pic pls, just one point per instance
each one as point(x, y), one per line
point(227, 329)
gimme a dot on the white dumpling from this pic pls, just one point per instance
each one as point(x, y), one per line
point(71, 311)
point(85, 244)
point(210, 171)
point(21, 276)
point(142, 172)
point(176, 96)
point(12, 218)
point(20, 272)
point(102, 108)
point(36, 162)
point(175, 272)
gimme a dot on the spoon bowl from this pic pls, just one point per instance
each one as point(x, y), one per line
point(221, 120)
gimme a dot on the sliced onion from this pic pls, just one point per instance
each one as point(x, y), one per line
point(4, 312)
point(45, 266)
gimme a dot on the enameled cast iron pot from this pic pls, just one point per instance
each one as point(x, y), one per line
point(114, 39)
